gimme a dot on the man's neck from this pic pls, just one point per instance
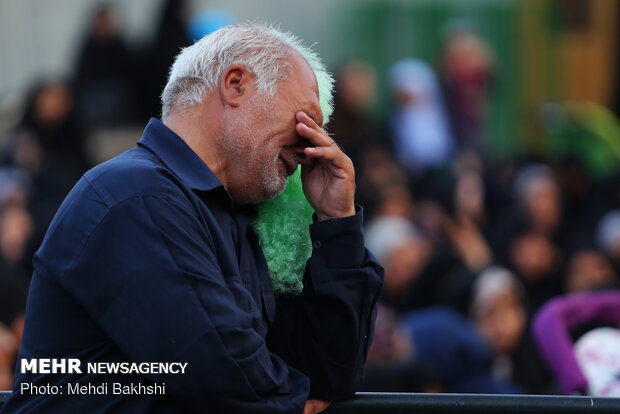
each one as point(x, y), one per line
point(201, 136)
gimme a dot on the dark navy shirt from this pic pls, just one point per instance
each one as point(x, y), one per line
point(148, 260)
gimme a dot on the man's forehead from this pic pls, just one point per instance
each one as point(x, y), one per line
point(315, 114)
point(314, 110)
point(307, 83)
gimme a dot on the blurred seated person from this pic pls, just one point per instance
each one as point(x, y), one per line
point(467, 225)
point(48, 141)
point(421, 134)
point(536, 208)
point(466, 70)
point(536, 261)
point(498, 311)
point(428, 257)
point(105, 94)
point(378, 171)
point(431, 350)
point(587, 270)
point(46, 148)
point(16, 228)
point(354, 98)
point(391, 364)
point(404, 253)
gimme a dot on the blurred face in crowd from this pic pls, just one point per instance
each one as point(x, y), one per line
point(15, 229)
point(391, 344)
point(467, 68)
point(380, 169)
point(52, 104)
point(105, 25)
point(396, 202)
point(357, 86)
point(469, 195)
point(542, 205)
point(260, 134)
point(405, 263)
point(533, 257)
point(503, 320)
point(589, 270)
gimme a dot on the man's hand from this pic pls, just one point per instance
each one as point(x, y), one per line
point(327, 173)
point(315, 406)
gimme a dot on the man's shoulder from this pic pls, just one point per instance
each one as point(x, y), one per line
point(134, 173)
point(122, 180)
point(116, 185)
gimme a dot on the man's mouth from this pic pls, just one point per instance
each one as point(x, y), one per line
point(289, 163)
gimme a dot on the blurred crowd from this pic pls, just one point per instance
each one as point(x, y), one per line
point(474, 247)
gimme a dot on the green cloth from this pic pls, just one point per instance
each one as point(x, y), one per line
point(282, 230)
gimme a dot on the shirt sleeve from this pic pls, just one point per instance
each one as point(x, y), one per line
point(326, 331)
point(552, 326)
point(148, 275)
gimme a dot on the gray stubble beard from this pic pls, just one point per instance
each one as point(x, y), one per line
point(238, 139)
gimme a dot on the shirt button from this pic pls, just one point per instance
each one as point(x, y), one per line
point(317, 244)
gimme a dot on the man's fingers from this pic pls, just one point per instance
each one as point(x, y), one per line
point(308, 129)
point(335, 159)
point(316, 138)
point(332, 154)
point(305, 119)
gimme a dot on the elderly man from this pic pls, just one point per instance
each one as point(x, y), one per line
point(150, 259)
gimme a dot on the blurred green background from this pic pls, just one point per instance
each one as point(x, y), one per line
point(542, 50)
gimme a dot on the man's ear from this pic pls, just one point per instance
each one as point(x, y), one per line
point(236, 85)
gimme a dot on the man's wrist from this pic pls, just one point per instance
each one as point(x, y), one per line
point(331, 238)
point(323, 216)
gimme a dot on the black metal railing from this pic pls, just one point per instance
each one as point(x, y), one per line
point(404, 403)
point(401, 403)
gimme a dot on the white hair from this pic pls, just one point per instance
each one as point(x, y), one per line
point(491, 283)
point(262, 49)
point(387, 233)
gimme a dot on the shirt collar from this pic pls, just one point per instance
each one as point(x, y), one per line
point(178, 156)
